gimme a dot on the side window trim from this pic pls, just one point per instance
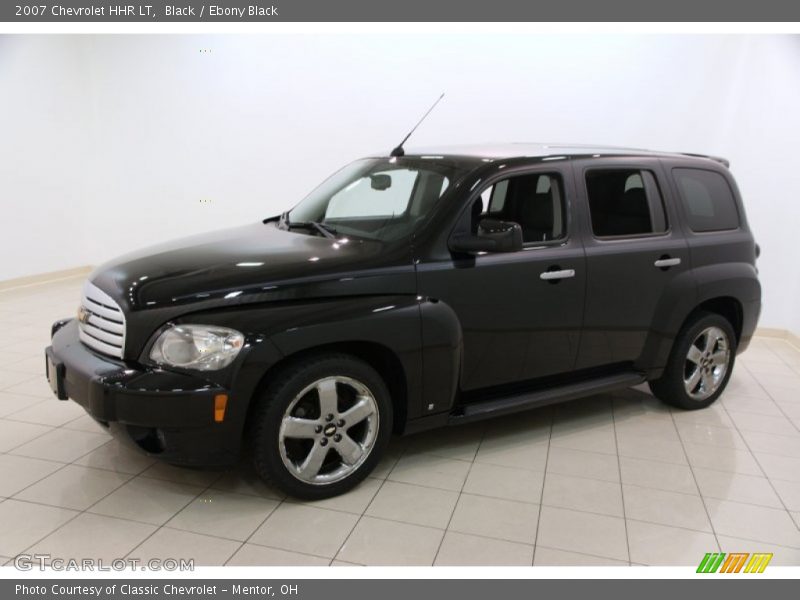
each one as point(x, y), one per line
point(494, 196)
point(655, 200)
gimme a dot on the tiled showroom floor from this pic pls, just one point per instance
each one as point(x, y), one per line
point(607, 480)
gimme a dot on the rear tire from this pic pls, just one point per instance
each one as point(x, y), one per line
point(700, 363)
point(321, 426)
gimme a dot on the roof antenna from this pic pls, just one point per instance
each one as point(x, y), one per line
point(398, 151)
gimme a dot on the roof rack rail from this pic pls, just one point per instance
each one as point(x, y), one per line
point(719, 159)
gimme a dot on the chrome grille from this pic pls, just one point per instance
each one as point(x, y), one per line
point(101, 322)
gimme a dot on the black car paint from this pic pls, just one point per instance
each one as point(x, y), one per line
point(446, 329)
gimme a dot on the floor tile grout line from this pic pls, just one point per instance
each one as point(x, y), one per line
point(444, 531)
point(755, 456)
point(544, 482)
point(621, 488)
point(771, 484)
point(143, 471)
point(114, 517)
point(366, 508)
point(286, 499)
point(228, 539)
point(460, 494)
point(9, 416)
point(792, 436)
point(503, 498)
point(546, 547)
point(21, 356)
point(29, 379)
point(166, 525)
point(743, 432)
point(161, 526)
point(780, 356)
point(545, 504)
point(439, 529)
point(61, 468)
point(747, 412)
point(78, 513)
point(359, 519)
point(627, 456)
point(64, 465)
point(64, 426)
point(697, 485)
point(383, 519)
point(31, 376)
point(51, 428)
point(636, 485)
point(757, 370)
point(48, 282)
point(780, 408)
point(243, 544)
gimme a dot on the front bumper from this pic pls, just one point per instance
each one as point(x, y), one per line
point(166, 414)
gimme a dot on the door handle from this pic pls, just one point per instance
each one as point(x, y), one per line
point(563, 274)
point(666, 262)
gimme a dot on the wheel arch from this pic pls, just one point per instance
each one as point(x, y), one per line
point(379, 357)
point(672, 386)
point(726, 306)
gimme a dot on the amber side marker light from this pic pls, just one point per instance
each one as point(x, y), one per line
point(220, 403)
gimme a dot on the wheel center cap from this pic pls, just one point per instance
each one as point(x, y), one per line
point(329, 430)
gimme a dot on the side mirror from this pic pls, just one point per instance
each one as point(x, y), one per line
point(380, 181)
point(493, 236)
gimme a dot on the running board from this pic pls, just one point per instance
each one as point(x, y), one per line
point(518, 402)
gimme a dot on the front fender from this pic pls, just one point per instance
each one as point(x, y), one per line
point(442, 343)
point(281, 330)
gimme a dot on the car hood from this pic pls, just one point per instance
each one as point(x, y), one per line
point(254, 263)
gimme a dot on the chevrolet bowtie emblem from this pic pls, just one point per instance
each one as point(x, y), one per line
point(83, 315)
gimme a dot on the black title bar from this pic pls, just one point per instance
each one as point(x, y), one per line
point(244, 11)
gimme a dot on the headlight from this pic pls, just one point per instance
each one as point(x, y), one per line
point(201, 347)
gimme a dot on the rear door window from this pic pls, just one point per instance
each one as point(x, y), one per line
point(625, 202)
point(708, 200)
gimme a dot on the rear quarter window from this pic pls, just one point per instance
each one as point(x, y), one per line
point(708, 200)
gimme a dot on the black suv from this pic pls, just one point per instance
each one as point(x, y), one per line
point(415, 291)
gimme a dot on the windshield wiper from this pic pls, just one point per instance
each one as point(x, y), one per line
point(326, 230)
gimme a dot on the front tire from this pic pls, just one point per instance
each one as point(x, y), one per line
point(321, 427)
point(700, 364)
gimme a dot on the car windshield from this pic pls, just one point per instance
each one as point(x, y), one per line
point(381, 199)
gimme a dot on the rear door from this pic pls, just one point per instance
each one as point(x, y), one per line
point(635, 253)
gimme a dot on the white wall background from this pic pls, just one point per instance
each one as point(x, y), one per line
point(108, 143)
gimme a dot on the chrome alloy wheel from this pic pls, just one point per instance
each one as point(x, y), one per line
point(706, 363)
point(328, 430)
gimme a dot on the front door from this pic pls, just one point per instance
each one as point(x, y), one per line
point(520, 312)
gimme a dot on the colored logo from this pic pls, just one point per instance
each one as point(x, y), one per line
point(734, 562)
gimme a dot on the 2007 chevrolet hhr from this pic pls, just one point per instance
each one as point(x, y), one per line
point(414, 291)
